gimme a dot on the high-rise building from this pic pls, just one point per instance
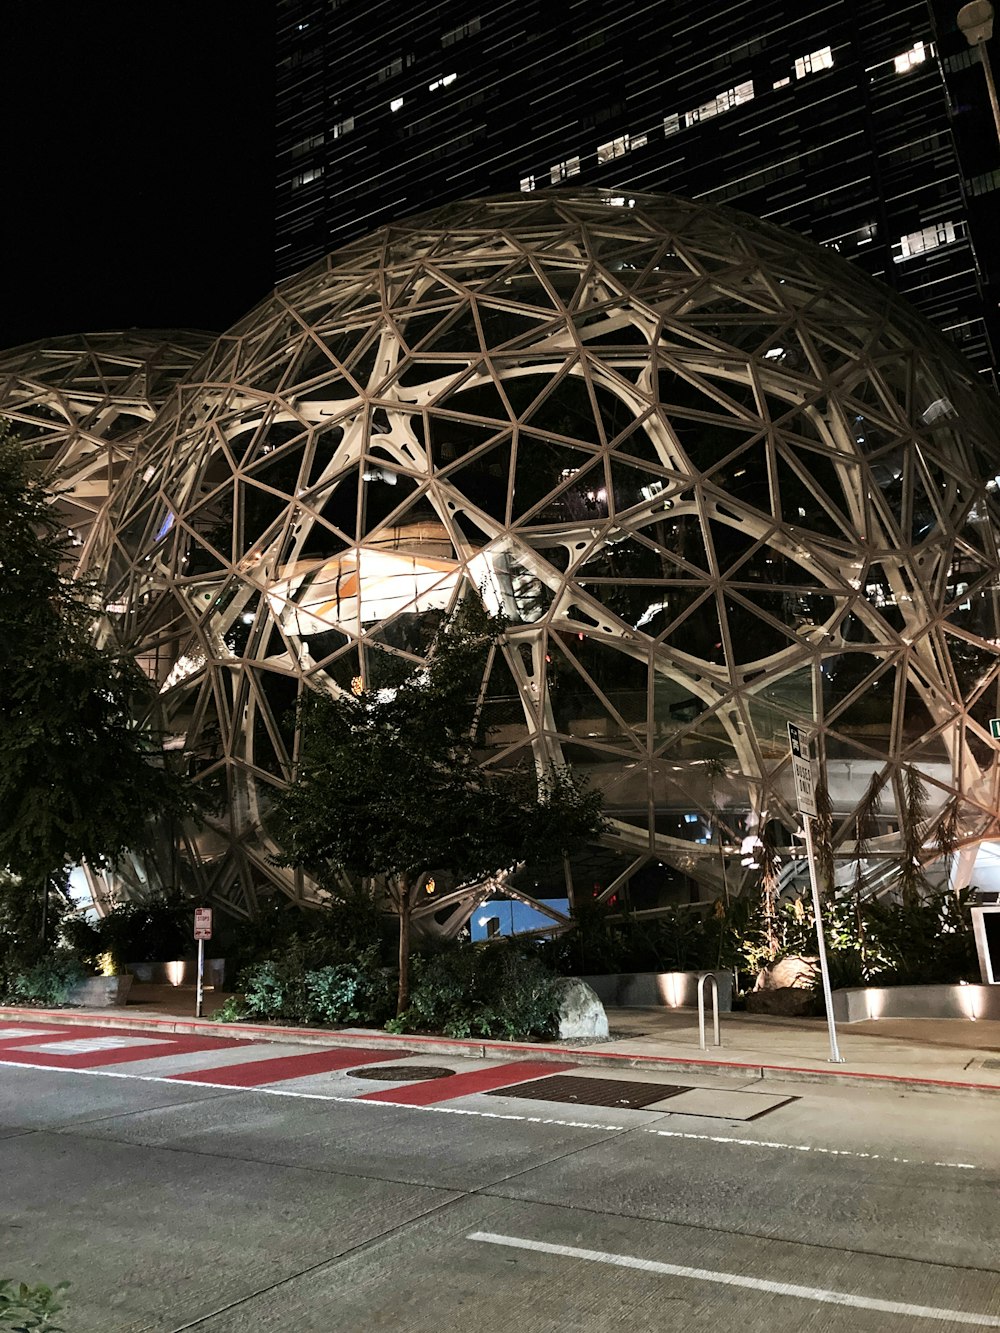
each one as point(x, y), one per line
point(863, 124)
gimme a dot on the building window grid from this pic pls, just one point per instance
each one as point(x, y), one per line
point(928, 238)
point(814, 62)
point(563, 170)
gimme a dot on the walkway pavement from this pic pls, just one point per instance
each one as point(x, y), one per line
point(924, 1054)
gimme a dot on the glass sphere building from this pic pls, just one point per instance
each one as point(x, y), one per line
point(715, 479)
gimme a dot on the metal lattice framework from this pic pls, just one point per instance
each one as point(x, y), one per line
point(83, 400)
point(715, 479)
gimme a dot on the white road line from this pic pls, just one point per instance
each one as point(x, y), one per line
point(769, 1144)
point(807, 1147)
point(818, 1294)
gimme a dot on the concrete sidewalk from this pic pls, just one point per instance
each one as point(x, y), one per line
point(924, 1054)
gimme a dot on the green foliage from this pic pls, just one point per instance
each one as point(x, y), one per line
point(390, 785)
point(24, 1308)
point(495, 990)
point(921, 941)
point(292, 988)
point(46, 983)
point(79, 778)
point(155, 931)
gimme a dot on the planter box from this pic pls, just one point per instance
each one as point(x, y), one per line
point(101, 992)
point(856, 1004)
point(182, 972)
point(669, 990)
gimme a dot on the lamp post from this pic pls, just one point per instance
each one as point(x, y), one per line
point(976, 21)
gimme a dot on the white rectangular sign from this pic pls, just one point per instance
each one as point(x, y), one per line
point(203, 923)
point(802, 771)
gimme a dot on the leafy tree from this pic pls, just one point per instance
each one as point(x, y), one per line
point(389, 784)
point(78, 777)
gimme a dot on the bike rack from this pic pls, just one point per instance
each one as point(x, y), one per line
point(708, 976)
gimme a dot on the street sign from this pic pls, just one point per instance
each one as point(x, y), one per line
point(203, 923)
point(802, 772)
point(995, 728)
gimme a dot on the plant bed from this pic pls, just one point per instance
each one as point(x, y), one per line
point(179, 972)
point(101, 992)
point(857, 1004)
point(649, 990)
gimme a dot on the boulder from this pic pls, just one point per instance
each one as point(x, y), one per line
point(581, 1013)
point(789, 973)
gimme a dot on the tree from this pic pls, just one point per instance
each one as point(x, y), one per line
point(389, 784)
point(79, 778)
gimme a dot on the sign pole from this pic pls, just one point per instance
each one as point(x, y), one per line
point(805, 799)
point(202, 932)
point(201, 979)
point(835, 1056)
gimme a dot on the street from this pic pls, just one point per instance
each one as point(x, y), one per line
point(305, 1196)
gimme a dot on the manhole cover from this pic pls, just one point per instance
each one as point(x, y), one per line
point(991, 1064)
point(400, 1073)
point(582, 1091)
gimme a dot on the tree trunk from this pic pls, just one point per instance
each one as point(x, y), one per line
point(403, 994)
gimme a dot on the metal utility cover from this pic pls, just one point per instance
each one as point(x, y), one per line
point(721, 1104)
point(400, 1073)
point(582, 1091)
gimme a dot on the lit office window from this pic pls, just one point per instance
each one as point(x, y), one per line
point(527, 184)
point(306, 177)
point(743, 92)
point(782, 83)
point(671, 125)
point(342, 127)
point(607, 152)
point(929, 238)
point(916, 55)
point(395, 104)
point(814, 62)
point(443, 82)
point(563, 170)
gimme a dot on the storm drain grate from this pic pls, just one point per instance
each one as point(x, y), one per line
point(400, 1073)
point(582, 1091)
point(991, 1064)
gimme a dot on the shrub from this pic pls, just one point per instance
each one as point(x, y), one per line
point(23, 1307)
point(46, 983)
point(287, 988)
point(494, 990)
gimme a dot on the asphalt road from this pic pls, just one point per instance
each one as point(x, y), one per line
point(171, 1206)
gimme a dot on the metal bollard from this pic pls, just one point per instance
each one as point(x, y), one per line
point(708, 976)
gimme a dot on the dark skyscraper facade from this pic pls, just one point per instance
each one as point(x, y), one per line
point(863, 124)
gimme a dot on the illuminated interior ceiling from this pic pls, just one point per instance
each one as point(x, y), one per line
point(82, 400)
point(715, 478)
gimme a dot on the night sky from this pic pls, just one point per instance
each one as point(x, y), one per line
point(137, 162)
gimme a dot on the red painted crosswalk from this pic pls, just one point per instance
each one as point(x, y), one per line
point(276, 1069)
point(464, 1085)
point(233, 1063)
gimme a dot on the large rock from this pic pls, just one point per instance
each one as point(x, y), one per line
point(581, 1013)
point(791, 972)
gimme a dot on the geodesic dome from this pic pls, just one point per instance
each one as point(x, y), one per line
point(81, 400)
point(715, 479)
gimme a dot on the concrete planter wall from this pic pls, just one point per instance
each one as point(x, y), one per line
point(671, 990)
point(864, 1002)
point(101, 992)
point(181, 972)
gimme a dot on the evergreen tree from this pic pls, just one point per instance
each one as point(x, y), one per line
point(389, 784)
point(79, 778)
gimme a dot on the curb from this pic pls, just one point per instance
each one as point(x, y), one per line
point(495, 1050)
